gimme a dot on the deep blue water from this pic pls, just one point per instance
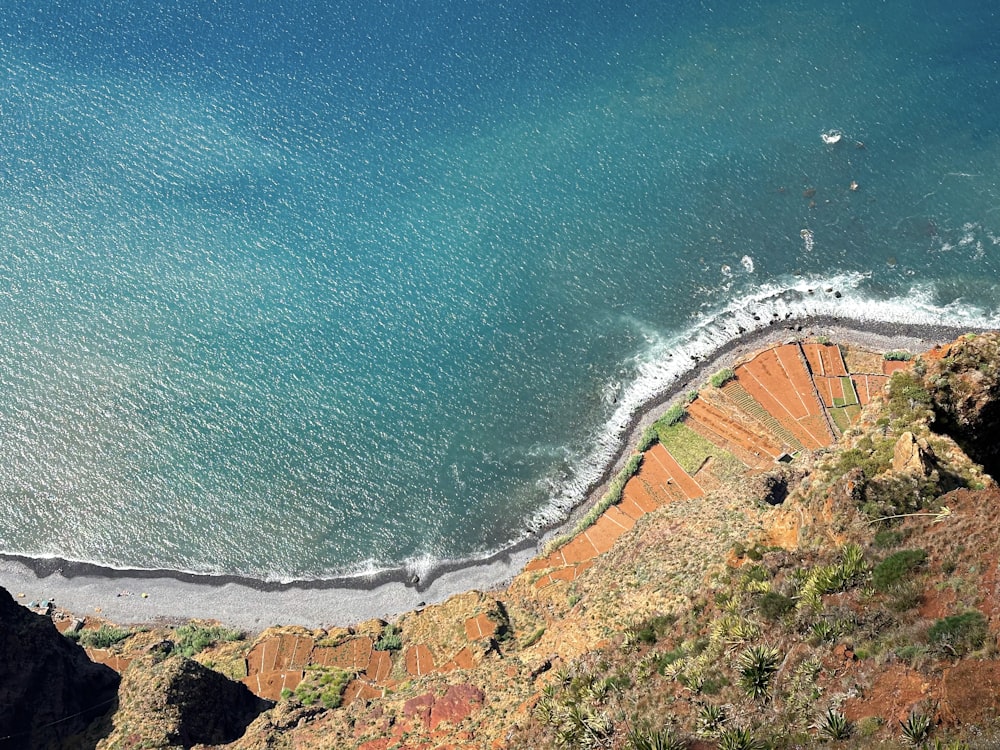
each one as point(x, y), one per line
point(303, 290)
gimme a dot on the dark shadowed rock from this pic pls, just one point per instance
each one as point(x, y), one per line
point(49, 689)
point(965, 389)
point(177, 702)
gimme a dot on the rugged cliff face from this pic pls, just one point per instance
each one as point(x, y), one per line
point(965, 384)
point(168, 701)
point(49, 689)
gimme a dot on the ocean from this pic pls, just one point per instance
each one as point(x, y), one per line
point(310, 289)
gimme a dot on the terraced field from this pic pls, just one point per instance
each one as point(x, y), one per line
point(783, 400)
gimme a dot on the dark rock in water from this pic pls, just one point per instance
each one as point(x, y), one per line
point(175, 701)
point(49, 689)
point(838, 295)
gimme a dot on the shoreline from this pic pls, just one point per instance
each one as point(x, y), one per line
point(88, 589)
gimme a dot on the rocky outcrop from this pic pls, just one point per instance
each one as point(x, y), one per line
point(965, 392)
point(49, 689)
point(177, 702)
point(912, 455)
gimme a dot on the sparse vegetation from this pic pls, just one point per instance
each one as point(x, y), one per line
point(897, 567)
point(959, 635)
point(391, 639)
point(105, 636)
point(720, 378)
point(191, 639)
point(323, 685)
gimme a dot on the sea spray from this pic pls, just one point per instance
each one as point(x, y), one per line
point(670, 358)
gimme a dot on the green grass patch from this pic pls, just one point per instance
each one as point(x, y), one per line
point(959, 634)
point(532, 639)
point(898, 566)
point(323, 685)
point(722, 377)
point(192, 639)
point(687, 447)
point(850, 395)
point(105, 636)
point(840, 418)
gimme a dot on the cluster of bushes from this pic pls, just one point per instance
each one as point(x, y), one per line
point(324, 685)
point(722, 377)
point(105, 636)
point(391, 639)
point(898, 566)
point(192, 639)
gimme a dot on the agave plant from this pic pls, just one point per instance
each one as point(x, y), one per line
point(711, 720)
point(916, 729)
point(823, 631)
point(649, 739)
point(852, 561)
point(757, 666)
point(739, 739)
point(835, 726)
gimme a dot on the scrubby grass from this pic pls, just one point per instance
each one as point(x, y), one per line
point(324, 685)
point(614, 494)
point(959, 635)
point(722, 377)
point(690, 449)
point(898, 566)
point(105, 636)
point(192, 639)
point(897, 356)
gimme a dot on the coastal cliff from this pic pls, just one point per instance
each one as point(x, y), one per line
point(802, 553)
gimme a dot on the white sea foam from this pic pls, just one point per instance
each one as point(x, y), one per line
point(670, 357)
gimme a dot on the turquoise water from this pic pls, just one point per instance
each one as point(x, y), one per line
point(305, 290)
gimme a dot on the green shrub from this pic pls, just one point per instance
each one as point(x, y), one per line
point(959, 634)
point(722, 377)
point(192, 639)
point(773, 606)
point(888, 538)
point(896, 567)
point(390, 640)
point(650, 631)
point(897, 356)
point(671, 416)
point(532, 639)
point(104, 637)
point(323, 684)
point(648, 439)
